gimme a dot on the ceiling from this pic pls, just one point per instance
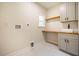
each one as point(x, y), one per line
point(48, 5)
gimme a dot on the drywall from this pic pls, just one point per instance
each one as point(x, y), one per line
point(53, 25)
point(54, 11)
point(12, 14)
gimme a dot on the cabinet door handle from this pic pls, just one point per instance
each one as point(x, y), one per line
point(67, 18)
point(67, 41)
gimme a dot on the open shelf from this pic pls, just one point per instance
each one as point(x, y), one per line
point(53, 18)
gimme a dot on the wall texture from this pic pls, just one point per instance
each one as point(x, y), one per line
point(53, 25)
point(54, 11)
point(12, 14)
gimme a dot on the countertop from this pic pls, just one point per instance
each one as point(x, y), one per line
point(59, 31)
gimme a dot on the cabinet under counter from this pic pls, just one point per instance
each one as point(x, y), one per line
point(68, 43)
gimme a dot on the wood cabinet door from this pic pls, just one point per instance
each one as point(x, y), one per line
point(72, 46)
point(78, 11)
point(71, 11)
point(63, 12)
point(61, 42)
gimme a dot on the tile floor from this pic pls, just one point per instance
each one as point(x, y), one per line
point(41, 49)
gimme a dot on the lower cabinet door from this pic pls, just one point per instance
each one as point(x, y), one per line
point(62, 43)
point(72, 46)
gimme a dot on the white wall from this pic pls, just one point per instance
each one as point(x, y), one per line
point(54, 11)
point(53, 25)
point(12, 14)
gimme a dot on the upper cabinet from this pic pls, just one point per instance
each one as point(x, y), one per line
point(63, 12)
point(68, 11)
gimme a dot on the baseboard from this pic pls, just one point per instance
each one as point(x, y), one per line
point(52, 43)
